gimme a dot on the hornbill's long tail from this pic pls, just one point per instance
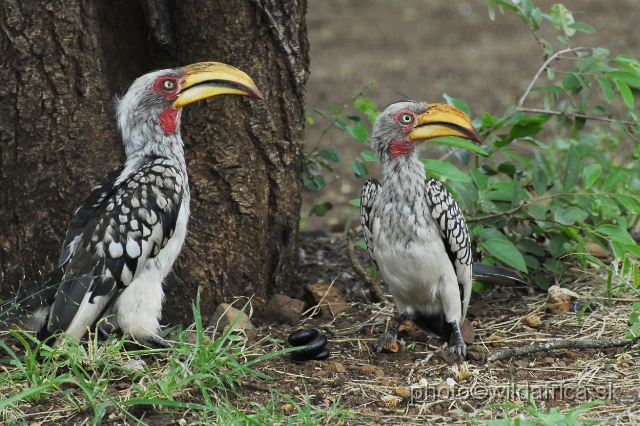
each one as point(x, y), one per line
point(494, 275)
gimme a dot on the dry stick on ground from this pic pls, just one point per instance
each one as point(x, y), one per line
point(354, 330)
point(561, 344)
point(369, 280)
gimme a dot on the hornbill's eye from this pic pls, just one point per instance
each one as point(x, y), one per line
point(406, 118)
point(168, 85)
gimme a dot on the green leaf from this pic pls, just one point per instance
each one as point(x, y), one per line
point(614, 179)
point(557, 245)
point(618, 249)
point(314, 183)
point(607, 90)
point(359, 132)
point(321, 209)
point(625, 92)
point(572, 171)
point(445, 170)
point(359, 169)
point(458, 104)
point(627, 202)
point(539, 180)
point(570, 216)
point(369, 156)
point(590, 174)
point(506, 252)
point(571, 83)
point(531, 246)
point(320, 112)
point(523, 130)
point(355, 202)
point(634, 249)
point(538, 212)
point(333, 155)
point(362, 244)
point(551, 89)
point(632, 79)
point(493, 234)
point(581, 26)
point(616, 233)
point(371, 270)
point(480, 179)
point(456, 142)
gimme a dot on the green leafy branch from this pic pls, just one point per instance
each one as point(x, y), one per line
point(531, 203)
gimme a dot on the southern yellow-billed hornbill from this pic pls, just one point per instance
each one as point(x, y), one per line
point(123, 240)
point(414, 230)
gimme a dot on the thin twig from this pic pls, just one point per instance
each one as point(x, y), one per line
point(418, 363)
point(572, 114)
point(372, 283)
point(560, 344)
point(491, 216)
point(518, 107)
point(351, 331)
point(542, 68)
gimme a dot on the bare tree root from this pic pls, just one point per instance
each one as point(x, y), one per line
point(560, 344)
point(372, 283)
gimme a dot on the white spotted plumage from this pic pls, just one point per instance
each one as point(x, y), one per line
point(416, 235)
point(125, 237)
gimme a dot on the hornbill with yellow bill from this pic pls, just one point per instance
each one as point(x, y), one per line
point(124, 238)
point(414, 230)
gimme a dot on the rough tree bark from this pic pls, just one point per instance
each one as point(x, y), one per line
point(63, 62)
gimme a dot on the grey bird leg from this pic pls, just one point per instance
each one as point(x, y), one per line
point(388, 337)
point(459, 347)
point(157, 341)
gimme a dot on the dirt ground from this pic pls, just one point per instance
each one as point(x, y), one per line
point(418, 49)
point(418, 383)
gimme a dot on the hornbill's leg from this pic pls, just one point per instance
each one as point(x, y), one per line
point(459, 347)
point(389, 337)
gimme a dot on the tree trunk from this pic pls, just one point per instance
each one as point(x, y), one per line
point(62, 65)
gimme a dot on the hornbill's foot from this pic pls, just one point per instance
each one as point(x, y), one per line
point(104, 333)
point(152, 341)
point(386, 340)
point(389, 337)
point(161, 343)
point(458, 347)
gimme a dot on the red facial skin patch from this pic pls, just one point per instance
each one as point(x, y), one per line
point(400, 148)
point(169, 120)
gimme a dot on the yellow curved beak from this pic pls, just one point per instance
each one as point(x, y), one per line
point(443, 120)
point(206, 79)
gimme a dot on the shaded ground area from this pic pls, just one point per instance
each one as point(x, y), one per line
point(398, 388)
point(388, 388)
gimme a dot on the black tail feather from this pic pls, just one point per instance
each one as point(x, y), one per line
point(433, 325)
point(494, 275)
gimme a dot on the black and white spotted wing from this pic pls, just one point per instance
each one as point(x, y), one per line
point(454, 232)
point(113, 235)
point(367, 199)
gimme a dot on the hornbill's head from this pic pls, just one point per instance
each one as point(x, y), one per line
point(149, 113)
point(401, 127)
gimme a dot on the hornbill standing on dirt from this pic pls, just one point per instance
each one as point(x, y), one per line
point(415, 232)
point(124, 238)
